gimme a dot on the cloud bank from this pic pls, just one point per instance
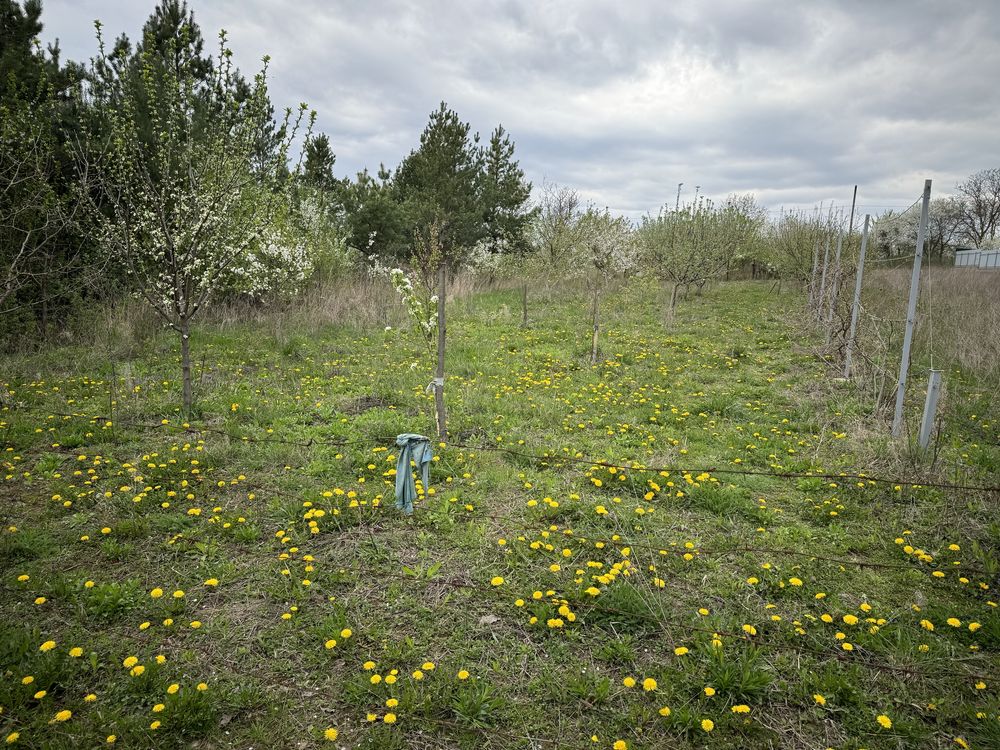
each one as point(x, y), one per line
point(795, 103)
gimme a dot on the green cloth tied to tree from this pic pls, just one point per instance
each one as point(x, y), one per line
point(416, 448)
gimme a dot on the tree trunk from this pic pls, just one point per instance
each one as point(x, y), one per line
point(524, 305)
point(43, 322)
point(597, 325)
point(439, 375)
point(186, 366)
point(673, 301)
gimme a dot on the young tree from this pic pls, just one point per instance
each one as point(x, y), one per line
point(605, 249)
point(675, 248)
point(792, 242)
point(695, 243)
point(440, 186)
point(552, 236)
point(178, 200)
point(554, 228)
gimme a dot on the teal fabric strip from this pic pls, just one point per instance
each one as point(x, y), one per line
point(416, 448)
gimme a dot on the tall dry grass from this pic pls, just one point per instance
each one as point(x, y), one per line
point(360, 302)
point(957, 331)
point(958, 317)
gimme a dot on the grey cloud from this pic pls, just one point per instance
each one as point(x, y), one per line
point(795, 102)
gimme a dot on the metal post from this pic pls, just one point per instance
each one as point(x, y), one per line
point(911, 313)
point(930, 407)
point(850, 224)
point(834, 289)
point(812, 279)
point(856, 306)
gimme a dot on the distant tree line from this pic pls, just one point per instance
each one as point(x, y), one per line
point(970, 218)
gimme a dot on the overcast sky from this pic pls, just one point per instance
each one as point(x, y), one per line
point(794, 102)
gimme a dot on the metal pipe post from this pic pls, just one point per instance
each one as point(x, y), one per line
point(856, 306)
point(911, 313)
point(930, 407)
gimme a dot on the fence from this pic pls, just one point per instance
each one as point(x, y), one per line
point(971, 258)
point(906, 309)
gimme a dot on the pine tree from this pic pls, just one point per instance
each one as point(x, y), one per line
point(169, 22)
point(19, 27)
point(505, 195)
point(374, 218)
point(40, 258)
point(439, 186)
point(318, 167)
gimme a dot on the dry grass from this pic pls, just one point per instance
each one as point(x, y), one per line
point(958, 330)
point(358, 301)
point(958, 323)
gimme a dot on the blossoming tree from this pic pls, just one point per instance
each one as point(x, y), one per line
point(605, 248)
point(183, 198)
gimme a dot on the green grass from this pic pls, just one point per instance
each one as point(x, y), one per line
point(278, 492)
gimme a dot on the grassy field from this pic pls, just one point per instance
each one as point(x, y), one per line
point(244, 579)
